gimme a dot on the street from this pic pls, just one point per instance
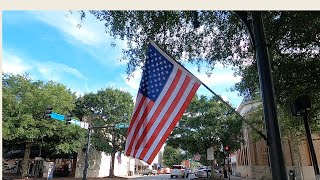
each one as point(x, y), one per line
point(136, 177)
point(167, 176)
point(164, 176)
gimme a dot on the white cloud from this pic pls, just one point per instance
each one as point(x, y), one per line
point(89, 33)
point(12, 63)
point(224, 97)
point(134, 81)
point(220, 76)
point(51, 70)
point(91, 36)
point(220, 81)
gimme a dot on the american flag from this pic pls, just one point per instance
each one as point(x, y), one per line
point(197, 157)
point(165, 91)
point(119, 158)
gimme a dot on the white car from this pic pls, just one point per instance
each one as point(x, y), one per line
point(179, 171)
point(189, 171)
point(199, 169)
point(203, 173)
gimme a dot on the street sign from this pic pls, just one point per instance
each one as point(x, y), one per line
point(57, 116)
point(84, 125)
point(121, 125)
point(76, 122)
point(210, 154)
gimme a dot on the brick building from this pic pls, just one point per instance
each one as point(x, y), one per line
point(252, 158)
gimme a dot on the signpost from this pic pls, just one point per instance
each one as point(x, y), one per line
point(86, 164)
point(121, 125)
point(210, 154)
point(50, 114)
point(57, 116)
point(85, 125)
point(76, 122)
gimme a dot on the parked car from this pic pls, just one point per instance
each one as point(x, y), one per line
point(198, 169)
point(165, 170)
point(146, 172)
point(189, 171)
point(179, 171)
point(154, 172)
point(203, 173)
point(149, 172)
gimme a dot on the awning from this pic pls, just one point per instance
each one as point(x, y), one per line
point(139, 162)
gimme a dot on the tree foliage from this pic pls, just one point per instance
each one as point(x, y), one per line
point(293, 38)
point(24, 104)
point(107, 107)
point(291, 127)
point(217, 40)
point(221, 38)
point(294, 51)
point(206, 123)
point(172, 156)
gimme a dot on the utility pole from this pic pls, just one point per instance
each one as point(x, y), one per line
point(268, 99)
point(310, 144)
point(86, 163)
point(90, 128)
point(301, 107)
point(255, 27)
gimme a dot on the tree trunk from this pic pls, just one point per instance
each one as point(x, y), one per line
point(74, 164)
point(113, 155)
point(224, 168)
point(296, 159)
point(25, 162)
point(111, 172)
point(213, 167)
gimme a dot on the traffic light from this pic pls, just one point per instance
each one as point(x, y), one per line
point(48, 112)
point(227, 148)
point(68, 119)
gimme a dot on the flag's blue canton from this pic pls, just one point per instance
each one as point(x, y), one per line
point(155, 74)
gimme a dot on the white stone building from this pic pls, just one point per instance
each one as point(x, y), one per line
point(99, 164)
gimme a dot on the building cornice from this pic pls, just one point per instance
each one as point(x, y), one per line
point(242, 105)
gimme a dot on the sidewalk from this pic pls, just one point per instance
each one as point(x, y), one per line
point(115, 178)
point(70, 178)
point(231, 178)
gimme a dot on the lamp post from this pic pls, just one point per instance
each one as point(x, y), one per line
point(86, 163)
point(300, 107)
point(258, 39)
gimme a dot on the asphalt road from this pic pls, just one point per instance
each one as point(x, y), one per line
point(164, 176)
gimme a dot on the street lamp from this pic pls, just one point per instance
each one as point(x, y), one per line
point(300, 107)
point(254, 24)
point(196, 23)
point(86, 161)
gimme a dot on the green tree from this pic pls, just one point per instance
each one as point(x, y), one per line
point(24, 104)
point(217, 40)
point(106, 108)
point(293, 39)
point(206, 123)
point(172, 156)
point(223, 38)
point(294, 51)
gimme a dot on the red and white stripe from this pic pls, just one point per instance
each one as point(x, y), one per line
point(152, 122)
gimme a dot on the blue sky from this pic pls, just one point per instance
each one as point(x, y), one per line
point(48, 45)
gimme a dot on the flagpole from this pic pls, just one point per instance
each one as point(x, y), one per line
point(236, 112)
